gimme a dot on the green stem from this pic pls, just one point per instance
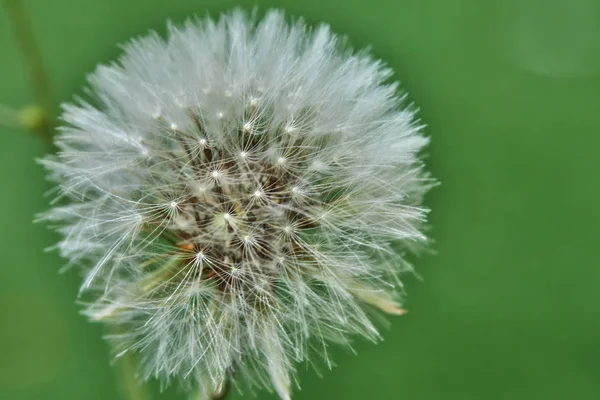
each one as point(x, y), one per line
point(223, 393)
point(33, 59)
point(130, 386)
point(217, 395)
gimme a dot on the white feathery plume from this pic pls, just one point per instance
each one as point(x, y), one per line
point(238, 195)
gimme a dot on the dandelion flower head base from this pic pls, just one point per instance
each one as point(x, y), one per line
point(240, 194)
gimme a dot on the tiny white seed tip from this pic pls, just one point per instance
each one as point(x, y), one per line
point(289, 129)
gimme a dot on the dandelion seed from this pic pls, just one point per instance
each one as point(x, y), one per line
point(264, 222)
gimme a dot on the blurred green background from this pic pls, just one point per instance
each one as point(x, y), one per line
point(508, 307)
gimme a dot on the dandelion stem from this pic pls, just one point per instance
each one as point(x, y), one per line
point(130, 387)
point(223, 393)
point(33, 59)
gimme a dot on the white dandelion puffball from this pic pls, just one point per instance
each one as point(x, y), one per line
point(238, 195)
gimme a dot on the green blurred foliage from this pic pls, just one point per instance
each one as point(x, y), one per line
point(508, 307)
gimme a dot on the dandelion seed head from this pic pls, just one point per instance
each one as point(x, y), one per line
point(240, 194)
